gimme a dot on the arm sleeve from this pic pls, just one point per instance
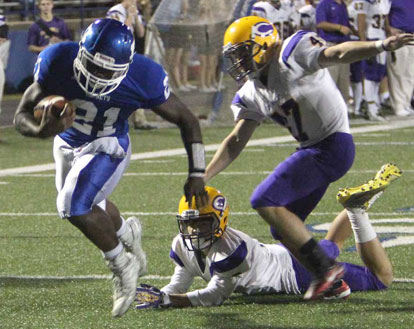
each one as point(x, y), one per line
point(217, 291)
point(180, 281)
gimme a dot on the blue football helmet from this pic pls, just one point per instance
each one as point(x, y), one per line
point(105, 51)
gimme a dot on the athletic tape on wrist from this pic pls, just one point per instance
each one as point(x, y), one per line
point(380, 46)
point(196, 159)
point(166, 300)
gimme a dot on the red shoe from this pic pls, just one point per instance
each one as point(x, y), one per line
point(339, 290)
point(320, 286)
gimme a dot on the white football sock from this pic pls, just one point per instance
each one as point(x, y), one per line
point(371, 96)
point(111, 254)
point(122, 229)
point(384, 96)
point(363, 230)
point(357, 91)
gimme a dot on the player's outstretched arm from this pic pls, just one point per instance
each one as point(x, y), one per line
point(352, 51)
point(24, 120)
point(173, 110)
point(230, 148)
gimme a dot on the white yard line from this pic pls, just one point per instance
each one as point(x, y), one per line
point(185, 173)
point(213, 147)
point(108, 277)
point(234, 213)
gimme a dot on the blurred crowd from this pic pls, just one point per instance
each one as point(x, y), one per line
point(189, 37)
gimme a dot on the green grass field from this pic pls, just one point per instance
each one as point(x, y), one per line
point(53, 277)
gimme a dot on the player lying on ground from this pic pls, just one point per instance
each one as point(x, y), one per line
point(106, 82)
point(231, 261)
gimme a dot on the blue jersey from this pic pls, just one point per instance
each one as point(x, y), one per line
point(145, 86)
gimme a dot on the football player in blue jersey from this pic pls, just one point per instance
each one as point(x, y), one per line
point(103, 78)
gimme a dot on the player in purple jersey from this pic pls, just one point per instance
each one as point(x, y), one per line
point(106, 82)
point(288, 83)
point(48, 29)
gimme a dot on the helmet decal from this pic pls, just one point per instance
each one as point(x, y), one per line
point(262, 29)
point(219, 203)
point(201, 226)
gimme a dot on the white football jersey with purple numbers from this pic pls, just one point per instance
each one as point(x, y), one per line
point(376, 11)
point(307, 16)
point(281, 18)
point(235, 262)
point(299, 94)
point(353, 13)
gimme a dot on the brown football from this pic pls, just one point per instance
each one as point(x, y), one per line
point(54, 104)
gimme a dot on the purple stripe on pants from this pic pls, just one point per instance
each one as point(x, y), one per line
point(359, 278)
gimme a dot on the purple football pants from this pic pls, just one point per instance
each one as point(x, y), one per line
point(359, 278)
point(356, 70)
point(299, 182)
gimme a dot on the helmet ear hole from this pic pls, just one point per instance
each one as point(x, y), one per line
point(265, 46)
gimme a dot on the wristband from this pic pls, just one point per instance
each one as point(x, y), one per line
point(166, 300)
point(196, 159)
point(380, 46)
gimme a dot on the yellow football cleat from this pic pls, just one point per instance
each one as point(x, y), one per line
point(365, 195)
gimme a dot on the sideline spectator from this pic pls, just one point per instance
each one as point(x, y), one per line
point(333, 26)
point(307, 16)
point(279, 13)
point(399, 63)
point(357, 74)
point(372, 24)
point(128, 13)
point(4, 53)
point(48, 29)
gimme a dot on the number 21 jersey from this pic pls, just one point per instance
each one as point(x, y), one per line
point(145, 86)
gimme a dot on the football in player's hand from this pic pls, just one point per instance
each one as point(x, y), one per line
point(54, 114)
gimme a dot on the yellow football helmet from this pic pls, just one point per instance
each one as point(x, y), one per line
point(249, 43)
point(200, 227)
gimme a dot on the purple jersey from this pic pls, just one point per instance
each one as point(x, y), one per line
point(38, 37)
point(401, 15)
point(332, 12)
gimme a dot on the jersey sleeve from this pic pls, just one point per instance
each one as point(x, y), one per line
point(244, 105)
point(233, 265)
point(217, 291)
point(152, 82)
point(180, 281)
point(182, 278)
point(43, 69)
point(224, 273)
point(304, 48)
